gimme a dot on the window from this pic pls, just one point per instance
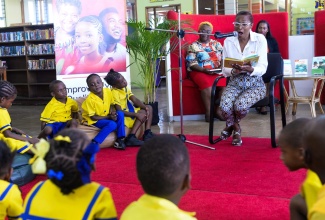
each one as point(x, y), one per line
point(157, 14)
point(2, 14)
point(38, 11)
point(131, 10)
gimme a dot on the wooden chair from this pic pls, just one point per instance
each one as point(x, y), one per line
point(273, 73)
point(3, 73)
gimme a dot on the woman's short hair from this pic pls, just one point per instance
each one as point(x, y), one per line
point(246, 13)
point(205, 23)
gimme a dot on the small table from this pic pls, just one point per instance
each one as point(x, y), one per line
point(3, 73)
point(314, 97)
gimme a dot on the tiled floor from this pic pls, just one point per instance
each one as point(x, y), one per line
point(253, 125)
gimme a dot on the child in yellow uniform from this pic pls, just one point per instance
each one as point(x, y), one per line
point(96, 111)
point(60, 112)
point(292, 154)
point(11, 202)
point(16, 139)
point(163, 168)
point(134, 116)
point(313, 142)
point(69, 193)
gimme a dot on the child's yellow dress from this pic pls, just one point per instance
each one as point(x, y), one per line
point(14, 144)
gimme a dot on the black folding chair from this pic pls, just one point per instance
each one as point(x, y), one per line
point(273, 74)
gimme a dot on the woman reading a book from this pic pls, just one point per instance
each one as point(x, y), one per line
point(263, 27)
point(245, 86)
point(203, 57)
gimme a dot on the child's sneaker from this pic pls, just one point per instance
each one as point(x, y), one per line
point(133, 141)
point(148, 136)
point(119, 144)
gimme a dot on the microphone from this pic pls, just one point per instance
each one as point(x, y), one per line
point(223, 35)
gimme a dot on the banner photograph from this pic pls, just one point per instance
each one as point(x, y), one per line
point(89, 36)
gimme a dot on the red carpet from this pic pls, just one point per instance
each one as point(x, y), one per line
point(248, 182)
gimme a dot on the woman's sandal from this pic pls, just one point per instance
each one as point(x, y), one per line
point(226, 133)
point(237, 141)
point(263, 110)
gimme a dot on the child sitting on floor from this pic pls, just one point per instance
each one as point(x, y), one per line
point(134, 116)
point(163, 168)
point(69, 193)
point(292, 154)
point(96, 111)
point(11, 202)
point(60, 112)
point(16, 139)
point(313, 142)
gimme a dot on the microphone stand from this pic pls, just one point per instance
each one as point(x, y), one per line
point(181, 34)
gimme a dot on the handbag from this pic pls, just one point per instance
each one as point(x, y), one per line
point(22, 172)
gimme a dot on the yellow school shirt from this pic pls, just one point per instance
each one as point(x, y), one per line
point(310, 188)
point(155, 208)
point(121, 97)
point(11, 202)
point(93, 105)
point(56, 111)
point(317, 212)
point(5, 124)
point(90, 201)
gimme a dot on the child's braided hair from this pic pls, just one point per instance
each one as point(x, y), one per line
point(6, 158)
point(7, 89)
point(64, 156)
point(112, 77)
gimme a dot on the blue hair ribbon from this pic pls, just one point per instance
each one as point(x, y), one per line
point(55, 175)
point(85, 163)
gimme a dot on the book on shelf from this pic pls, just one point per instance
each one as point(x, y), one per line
point(287, 67)
point(301, 66)
point(318, 65)
point(253, 59)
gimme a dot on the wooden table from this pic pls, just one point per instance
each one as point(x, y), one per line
point(314, 97)
point(3, 73)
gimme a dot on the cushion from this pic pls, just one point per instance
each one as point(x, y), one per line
point(92, 131)
point(22, 171)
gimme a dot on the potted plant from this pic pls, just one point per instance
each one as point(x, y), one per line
point(146, 47)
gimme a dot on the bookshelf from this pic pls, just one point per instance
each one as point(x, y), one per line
point(28, 53)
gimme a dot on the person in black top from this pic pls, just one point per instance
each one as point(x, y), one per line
point(263, 27)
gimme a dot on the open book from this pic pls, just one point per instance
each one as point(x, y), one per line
point(252, 59)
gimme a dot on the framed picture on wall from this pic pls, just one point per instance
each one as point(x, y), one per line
point(305, 26)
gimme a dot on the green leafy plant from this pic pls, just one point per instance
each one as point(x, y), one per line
point(146, 47)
